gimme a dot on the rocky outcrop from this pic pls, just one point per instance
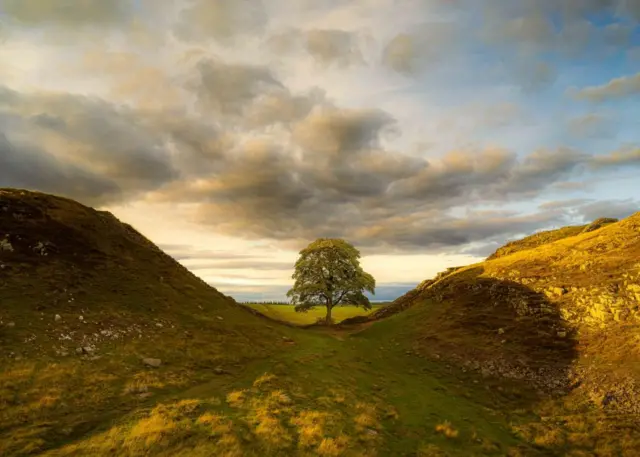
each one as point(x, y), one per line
point(560, 310)
point(599, 223)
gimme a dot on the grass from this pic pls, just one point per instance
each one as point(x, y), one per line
point(356, 395)
point(420, 383)
point(287, 313)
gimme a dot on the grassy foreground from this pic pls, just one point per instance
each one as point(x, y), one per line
point(331, 394)
point(287, 313)
point(109, 347)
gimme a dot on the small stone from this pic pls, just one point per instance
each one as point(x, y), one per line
point(500, 331)
point(562, 334)
point(286, 339)
point(79, 351)
point(220, 318)
point(371, 432)
point(57, 318)
point(219, 370)
point(159, 325)
point(155, 363)
point(80, 318)
point(11, 324)
point(87, 349)
point(5, 245)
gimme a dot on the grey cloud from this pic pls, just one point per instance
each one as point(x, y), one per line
point(85, 138)
point(562, 204)
point(336, 132)
point(592, 125)
point(618, 209)
point(67, 13)
point(624, 86)
point(411, 52)
point(542, 168)
point(624, 157)
point(186, 252)
point(529, 24)
point(618, 34)
point(282, 107)
point(572, 185)
point(333, 47)
point(482, 250)
point(334, 179)
point(400, 54)
point(230, 88)
point(533, 76)
point(27, 167)
point(222, 20)
point(253, 264)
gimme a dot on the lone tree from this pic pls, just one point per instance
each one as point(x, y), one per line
point(328, 273)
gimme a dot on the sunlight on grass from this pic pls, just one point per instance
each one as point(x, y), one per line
point(287, 313)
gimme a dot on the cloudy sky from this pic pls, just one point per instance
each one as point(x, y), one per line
point(234, 132)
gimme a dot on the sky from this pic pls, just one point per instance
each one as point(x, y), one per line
point(232, 133)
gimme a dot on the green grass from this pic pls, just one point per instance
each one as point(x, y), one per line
point(287, 313)
point(233, 384)
point(330, 394)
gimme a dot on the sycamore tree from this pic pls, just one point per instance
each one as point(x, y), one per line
point(328, 273)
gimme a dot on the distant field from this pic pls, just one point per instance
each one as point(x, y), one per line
point(289, 314)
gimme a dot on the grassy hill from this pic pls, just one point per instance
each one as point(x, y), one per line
point(562, 317)
point(549, 236)
point(84, 299)
point(484, 360)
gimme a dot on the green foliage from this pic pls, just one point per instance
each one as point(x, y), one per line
point(328, 273)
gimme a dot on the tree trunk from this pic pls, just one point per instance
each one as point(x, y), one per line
point(328, 318)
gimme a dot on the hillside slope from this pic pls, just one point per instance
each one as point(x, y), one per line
point(563, 316)
point(84, 299)
point(549, 236)
point(477, 365)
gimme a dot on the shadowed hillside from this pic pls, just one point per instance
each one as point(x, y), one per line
point(84, 300)
point(563, 316)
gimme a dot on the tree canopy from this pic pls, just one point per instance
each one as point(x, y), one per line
point(328, 273)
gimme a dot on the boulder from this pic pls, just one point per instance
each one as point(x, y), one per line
point(155, 363)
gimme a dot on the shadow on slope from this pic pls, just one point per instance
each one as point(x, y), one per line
point(84, 299)
point(494, 327)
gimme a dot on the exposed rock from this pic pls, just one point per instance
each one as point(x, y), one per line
point(5, 245)
point(43, 248)
point(155, 363)
point(599, 223)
